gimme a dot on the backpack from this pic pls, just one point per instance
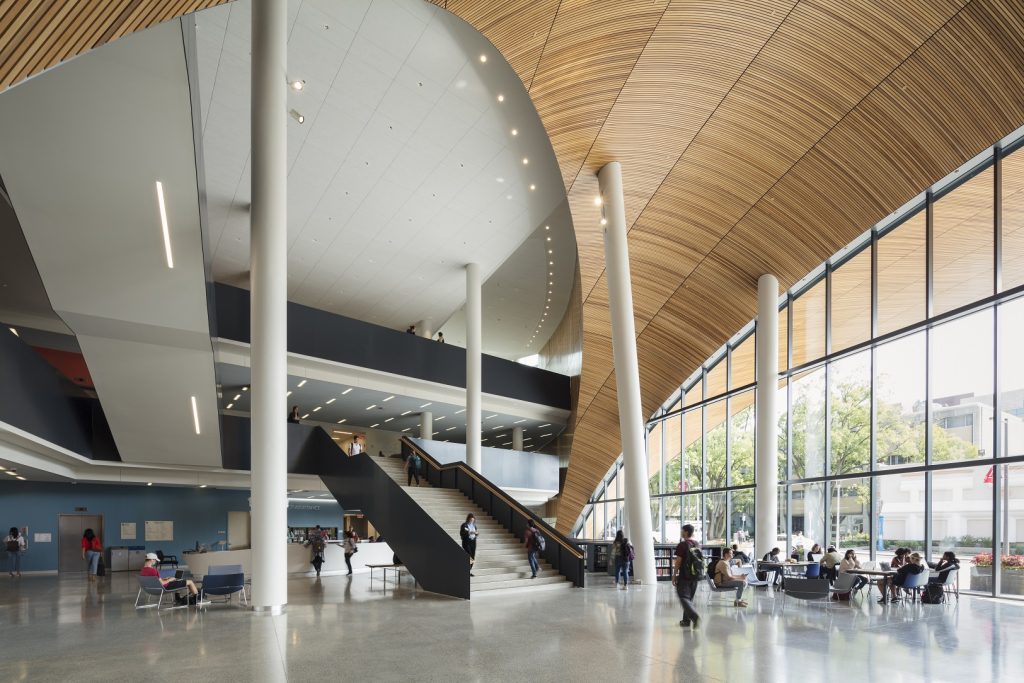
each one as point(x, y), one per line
point(13, 547)
point(933, 594)
point(416, 462)
point(630, 555)
point(692, 568)
point(538, 542)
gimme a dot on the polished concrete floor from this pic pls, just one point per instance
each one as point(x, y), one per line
point(65, 629)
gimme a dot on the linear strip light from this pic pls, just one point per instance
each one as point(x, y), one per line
point(163, 224)
point(195, 414)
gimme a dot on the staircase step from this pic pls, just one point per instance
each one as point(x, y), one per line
point(510, 576)
point(518, 583)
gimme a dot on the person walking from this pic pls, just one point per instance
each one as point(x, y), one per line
point(16, 547)
point(318, 545)
point(621, 555)
point(350, 547)
point(689, 569)
point(92, 552)
point(293, 416)
point(412, 468)
point(534, 543)
point(468, 534)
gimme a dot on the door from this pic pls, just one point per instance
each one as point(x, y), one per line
point(238, 530)
point(70, 528)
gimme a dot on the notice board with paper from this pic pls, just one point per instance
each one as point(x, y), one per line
point(159, 531)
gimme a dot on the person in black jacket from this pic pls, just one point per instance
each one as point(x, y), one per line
point(774, 556)
point(913, 567)
point(738, 554)
point(947, 564)
point(468, 534)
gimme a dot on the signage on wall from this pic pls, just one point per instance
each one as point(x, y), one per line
point(159, 531)
point(128, 531)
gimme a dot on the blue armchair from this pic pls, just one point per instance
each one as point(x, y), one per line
point(223, 584)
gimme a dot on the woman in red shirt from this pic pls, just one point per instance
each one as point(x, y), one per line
point(92, 551)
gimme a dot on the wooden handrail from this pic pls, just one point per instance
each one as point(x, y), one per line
point(494, 490)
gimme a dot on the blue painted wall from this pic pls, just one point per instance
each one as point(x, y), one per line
point(198, 514)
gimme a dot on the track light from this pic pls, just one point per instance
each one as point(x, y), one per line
point(297, 116)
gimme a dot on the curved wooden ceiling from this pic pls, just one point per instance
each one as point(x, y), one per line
point(755, 136)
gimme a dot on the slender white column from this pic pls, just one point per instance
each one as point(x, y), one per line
point(269, 284)
point(517, 438)
point(474, 334)
point(426, 425)
point(766, 501)
point(627, 373)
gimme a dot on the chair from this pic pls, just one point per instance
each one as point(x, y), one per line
point(224, 569)
point(813, 571)
point(810, 590)
point(914, 583)
point(752, 579)
point(166, 559)
point(223, 584)
point(950, 584)
point(151, 586)
point(844, 584)
point(869, 565)
point(712, 588)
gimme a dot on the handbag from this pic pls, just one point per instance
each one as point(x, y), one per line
point(101, 569)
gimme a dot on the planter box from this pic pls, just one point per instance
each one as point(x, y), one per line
point(1012, 580)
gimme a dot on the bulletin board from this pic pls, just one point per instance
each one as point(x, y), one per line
point(159, 531)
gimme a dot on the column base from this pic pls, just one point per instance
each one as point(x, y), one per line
point(269, 610)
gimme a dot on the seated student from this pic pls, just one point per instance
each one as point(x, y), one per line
point(774, 556)
point(724, 578)
point(739, 556)
point(814, 554)
point(829, 562)
point(912, 566)
point(947, 564)
point(170, 583)
point(849, 562)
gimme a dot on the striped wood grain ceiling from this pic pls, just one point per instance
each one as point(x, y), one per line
point(755, 136)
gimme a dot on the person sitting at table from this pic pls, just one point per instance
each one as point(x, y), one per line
point(850, 562)
point(170, 583)
point(948, 563)
point(724, 578)
point(773, 556)
point(740, 556)
point(899, 558)
point(912, 566)
point(814, 553)
point(829, 562)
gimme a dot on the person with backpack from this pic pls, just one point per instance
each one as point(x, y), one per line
point(534, 542)
point(620, 559)
point(468, 534)
point(689, 570)
point(16, 547)
point(412, 467)
point(318, 544)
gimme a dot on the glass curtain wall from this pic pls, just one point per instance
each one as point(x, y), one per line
point(900, 404)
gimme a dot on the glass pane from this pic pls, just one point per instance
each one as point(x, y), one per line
point(1011, 507)
point(715, 521)
point(808, 516)
point(742, 364)
point(899, 401)
point(693, 434)
point(613, 485)
point(963, 243)
point(901, 275)
point(616, 513)
point(809, 325)
point(1011, 376)
point(782, 415)
point(961, 388)
point(808, 451)
point(899, 508)
point(673, 518)
point(783, 338)
point(849, 392)
point(741, 435)
point(741, 520)
point(673, 454)
point(693, 514)
point(782, 536)
point(849, 518)
point(656, 525)
point(851, 301)
point(654, 459)
point(715, 424)
point(695, 394)
point(717, 378)
point(600, 521)
point(1013, 220)
point(962, 523)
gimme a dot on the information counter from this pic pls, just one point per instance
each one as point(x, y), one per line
point(299, 556)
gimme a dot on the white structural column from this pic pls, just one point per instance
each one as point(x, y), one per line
point(426, 425)
point(627, 374)
point(766, 501)
point(517, 438)
point(474, 335)
point(269, 284)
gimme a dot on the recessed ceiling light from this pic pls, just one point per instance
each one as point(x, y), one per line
point(237, 396)
point(525, 161)
point(407, 429)
point(499, 179)
point(13, 473)
point(405, 413)
point(604, 221)
point(435, 433)
point(149, 483)
point(373, 426)
point(449, 429)
point(426, 404)
point(20, 478)
point(371, 407)
point(202, 486)
point(507, 443)
point(317, 408)
point(549, 238)
point(14, 331)
point(543, 435)
point(305, 416)
point(331, 401)
point(2, 468)
point(518, 421)
point(298, 85)
point(547, 227)
point(515, 132)
point(491, 417)
point(389, 419)
point(483, 58)
point(501, 98)
point(195, 414)
point(302, 383)
point(547, 425)
point(297, 116)
point(245, 388)
point(500, 427)
point(288, 394)
point(163, 223)
point(438, 419)
point(387, 399)
point(343, 420)
point(550, 252)
point(532, 187)
point(598, 201)
point(229, 406)
point(457, 412)
point(346, 391)
point(508, 196)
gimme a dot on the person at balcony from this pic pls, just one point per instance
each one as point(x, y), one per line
point(849, 563)
point(15, 545)
point(948, 563)
point(739, 556)
point(724, 578)
point(911, 567)
point(440, 337)
point(814, 554)
point(468, 534)
point(533, 543)
point(411, 330)
point(92, 552)
point(294, 415)
point(412, 468)
point(829, 562)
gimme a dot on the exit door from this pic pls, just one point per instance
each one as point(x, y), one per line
point(70, 528)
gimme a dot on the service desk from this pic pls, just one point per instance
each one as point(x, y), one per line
point(298, 559)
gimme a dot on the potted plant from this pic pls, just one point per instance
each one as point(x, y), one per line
point(1011, 573)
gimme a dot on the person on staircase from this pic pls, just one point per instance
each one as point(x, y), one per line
point(533, 542)
point(412, 468)
point(468, 534)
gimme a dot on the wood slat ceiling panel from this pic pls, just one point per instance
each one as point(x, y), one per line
point(518, 28)
point(589, 54)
